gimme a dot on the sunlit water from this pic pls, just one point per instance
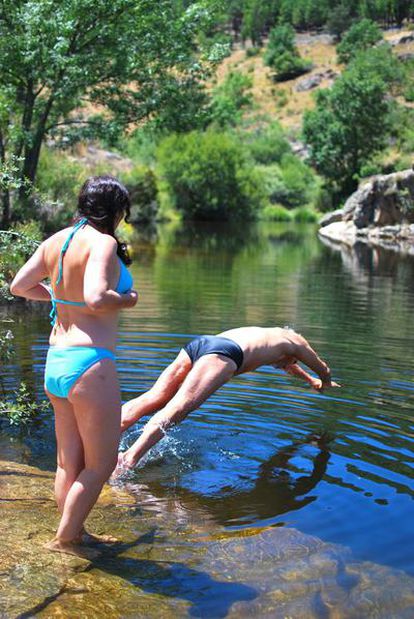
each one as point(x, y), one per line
point(248, 457)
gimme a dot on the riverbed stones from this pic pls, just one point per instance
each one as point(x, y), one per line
point(167, 567)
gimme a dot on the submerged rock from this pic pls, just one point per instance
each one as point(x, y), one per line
point(173, 563)
point(381, 212)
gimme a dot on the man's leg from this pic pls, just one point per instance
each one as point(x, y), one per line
point(160, 393)
point(206, 376)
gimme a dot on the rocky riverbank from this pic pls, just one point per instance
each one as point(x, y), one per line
point(380, 213)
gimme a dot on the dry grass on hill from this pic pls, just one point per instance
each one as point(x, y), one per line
point(281, 100)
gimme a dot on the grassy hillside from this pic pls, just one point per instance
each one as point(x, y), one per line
point(282, 100)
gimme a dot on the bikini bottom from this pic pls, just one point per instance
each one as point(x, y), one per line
point(65, 365)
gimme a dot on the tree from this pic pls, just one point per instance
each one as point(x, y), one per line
point(339, 21)
point(282, 55)
point(209, 176)
point(351, 121)
point(230, 98)
point(258, 16)
point(123, 58)
point(360, 36)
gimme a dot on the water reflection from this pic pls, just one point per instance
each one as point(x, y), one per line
point(242, 459)
point(278, 489)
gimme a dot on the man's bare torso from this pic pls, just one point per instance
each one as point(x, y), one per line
point(261, 345)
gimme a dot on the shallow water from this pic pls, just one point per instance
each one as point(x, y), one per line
point(244, 472)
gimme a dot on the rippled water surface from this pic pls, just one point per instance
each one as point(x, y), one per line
point(248, 459)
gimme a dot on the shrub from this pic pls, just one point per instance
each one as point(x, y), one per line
point(359, 37)
point(252, 51)
point(290, 183)
point(268, 144)
point(276, 212)
point(230, 98)
point(281, 54)
point(209, 176)
point(58, 182)
point(17, 245)
point(142, 186)
point(305, 214)
point(24, 409)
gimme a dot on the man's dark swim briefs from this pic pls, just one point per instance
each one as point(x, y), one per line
point(214, 344)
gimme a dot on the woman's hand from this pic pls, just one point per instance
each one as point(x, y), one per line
point(131, 298)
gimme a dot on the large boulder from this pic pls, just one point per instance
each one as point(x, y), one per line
point(382, 208)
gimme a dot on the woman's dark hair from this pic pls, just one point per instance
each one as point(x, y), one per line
point(103, 200)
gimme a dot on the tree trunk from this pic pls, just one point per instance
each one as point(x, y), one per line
point(5, 197)
point(32, 154)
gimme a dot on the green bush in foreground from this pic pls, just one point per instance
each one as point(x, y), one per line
point(23, 410)
point(16, 245)
point(209, 176)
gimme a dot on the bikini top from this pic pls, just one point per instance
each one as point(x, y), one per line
point(124, 285)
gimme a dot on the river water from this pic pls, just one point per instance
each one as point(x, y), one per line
point(246, 472)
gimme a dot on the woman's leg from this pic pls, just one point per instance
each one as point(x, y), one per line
point(161, 392)
point(70, 458)
point(96, 402)
point(206, 376)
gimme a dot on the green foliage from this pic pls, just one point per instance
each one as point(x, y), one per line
point(281, 54)
point(209, 176)
point(16, 246)
point(276, 212)
point(305, 215)
point(137, 60)
point(351, 120)
point(6, 346)
point(268, 144)
point(230, 99)
point(257, 17)
point(304, 13)
point(339, 20)
point(290, 183)
point(141, 183)
point(252, 51)
point(24, 409)
point(408, 80)
point(59, 180)
point(361, 36)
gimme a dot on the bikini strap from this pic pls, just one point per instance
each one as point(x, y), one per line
point(65, 246)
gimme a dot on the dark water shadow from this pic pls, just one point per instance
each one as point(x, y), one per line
point(209, 597)
point(276, 491)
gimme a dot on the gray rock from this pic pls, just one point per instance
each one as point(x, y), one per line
point(312, 81)
point(405, 57)
point(331, 217)
point(383, 208)
point(402, 40)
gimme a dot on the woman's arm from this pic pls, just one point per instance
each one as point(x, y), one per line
point(28, 281)
point(97, 291)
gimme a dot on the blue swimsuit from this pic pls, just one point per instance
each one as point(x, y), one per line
point(64, 365)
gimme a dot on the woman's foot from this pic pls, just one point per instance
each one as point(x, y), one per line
point(73, 548)
point(93, 538)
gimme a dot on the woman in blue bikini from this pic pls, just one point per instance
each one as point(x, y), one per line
point(90, 284)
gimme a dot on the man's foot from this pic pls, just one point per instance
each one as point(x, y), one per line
point(73, 548)
point(123, 465)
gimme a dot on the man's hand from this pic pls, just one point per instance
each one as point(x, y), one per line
point(320, 386)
